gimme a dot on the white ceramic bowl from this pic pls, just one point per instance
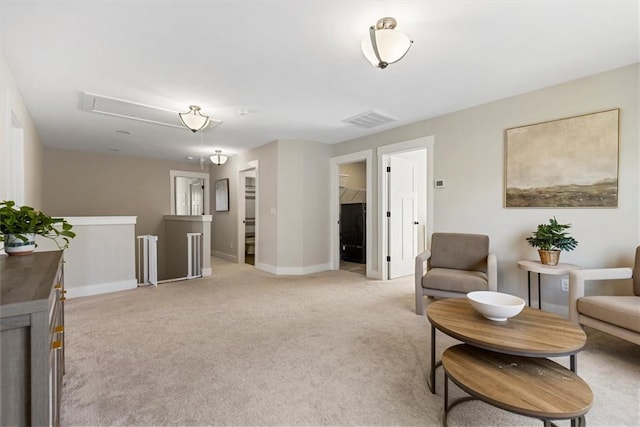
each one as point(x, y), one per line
point(495, 305)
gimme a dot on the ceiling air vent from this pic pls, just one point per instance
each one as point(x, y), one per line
point(133, 110)
point(370, 119)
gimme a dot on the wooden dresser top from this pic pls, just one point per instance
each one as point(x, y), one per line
point(26, 282)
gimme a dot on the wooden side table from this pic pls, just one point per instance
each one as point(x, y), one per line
point(533, 387)
point(537, 267)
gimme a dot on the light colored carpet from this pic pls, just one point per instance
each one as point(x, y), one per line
point(246, 348)
point(353, 267)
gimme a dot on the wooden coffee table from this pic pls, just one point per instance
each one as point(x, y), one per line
point(533, 387)
point(531, 334)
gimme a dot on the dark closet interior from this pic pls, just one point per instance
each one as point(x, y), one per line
point(352, 232)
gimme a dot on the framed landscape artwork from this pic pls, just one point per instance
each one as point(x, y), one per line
point(565, 163)
point(222, 195)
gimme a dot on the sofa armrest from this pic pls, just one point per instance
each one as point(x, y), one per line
point(420, 260)
point(492, 272)
point(578, 277)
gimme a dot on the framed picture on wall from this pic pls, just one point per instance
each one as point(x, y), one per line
point(565, 163)
point(222, 195)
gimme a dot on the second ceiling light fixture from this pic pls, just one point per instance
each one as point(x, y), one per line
point(195, 121)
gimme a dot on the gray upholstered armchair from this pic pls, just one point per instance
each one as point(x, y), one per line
point(615, 315)
point(457, 263)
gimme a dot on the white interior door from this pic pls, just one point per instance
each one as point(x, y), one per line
point(403, 208)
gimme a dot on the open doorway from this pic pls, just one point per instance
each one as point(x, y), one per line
point(353, 222)
point(250, 217)
point(248, 214)
point(351, 244)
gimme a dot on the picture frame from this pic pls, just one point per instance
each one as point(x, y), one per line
point(565, 163)
point(222, 195)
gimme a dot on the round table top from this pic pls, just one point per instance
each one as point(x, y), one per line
point(538, 267)
point(524, 385)
point(533, 332)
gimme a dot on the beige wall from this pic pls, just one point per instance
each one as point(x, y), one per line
point(316, 202)
point(303, 200)
point(101, 258)
point(469, 155)
point(355, 188)
point(89, 184)
point(292, 203)
point(224, 234)
point(291, 199)
point(357, 174)
point(12, 104)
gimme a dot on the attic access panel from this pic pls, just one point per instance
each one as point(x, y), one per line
point(131, 110)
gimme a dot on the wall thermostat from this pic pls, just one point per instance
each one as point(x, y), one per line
point(438, 183)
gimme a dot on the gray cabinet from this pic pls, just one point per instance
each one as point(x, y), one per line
point(31, 338)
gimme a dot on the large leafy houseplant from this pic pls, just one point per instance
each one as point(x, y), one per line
point(552, 238)
point(21, 223)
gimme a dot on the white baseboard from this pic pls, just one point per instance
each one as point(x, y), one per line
point(206, 272)
point(375, 275)
point(225, 256)
point(102, 288)
point(316, 268)
point(266, 267)
point(293, 271)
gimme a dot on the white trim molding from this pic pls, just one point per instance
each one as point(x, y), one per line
point(189, 218)
point(292, 271)
point(101, 220)
point(101, 288)
point(224, 256)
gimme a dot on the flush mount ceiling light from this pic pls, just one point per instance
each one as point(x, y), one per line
point(384, 45)
point(194, 119)
point(218, 158)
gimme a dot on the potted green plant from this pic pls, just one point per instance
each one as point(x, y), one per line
point(551, 239)
point(20, 225)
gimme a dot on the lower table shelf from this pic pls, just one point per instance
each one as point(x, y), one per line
point(534, 387)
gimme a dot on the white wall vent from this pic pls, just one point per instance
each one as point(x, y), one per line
point(134, 111)
point(370, 119)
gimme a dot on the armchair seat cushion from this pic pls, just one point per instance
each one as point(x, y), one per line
point(623, 311)
point(448, 279)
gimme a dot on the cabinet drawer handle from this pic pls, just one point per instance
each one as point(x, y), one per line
point(58, 329)
point(56, 345)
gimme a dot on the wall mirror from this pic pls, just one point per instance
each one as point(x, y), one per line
point(189, 193)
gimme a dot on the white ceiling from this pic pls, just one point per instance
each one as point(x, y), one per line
point(294, 66)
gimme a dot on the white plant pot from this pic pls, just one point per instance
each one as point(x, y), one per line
point(13, 245)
